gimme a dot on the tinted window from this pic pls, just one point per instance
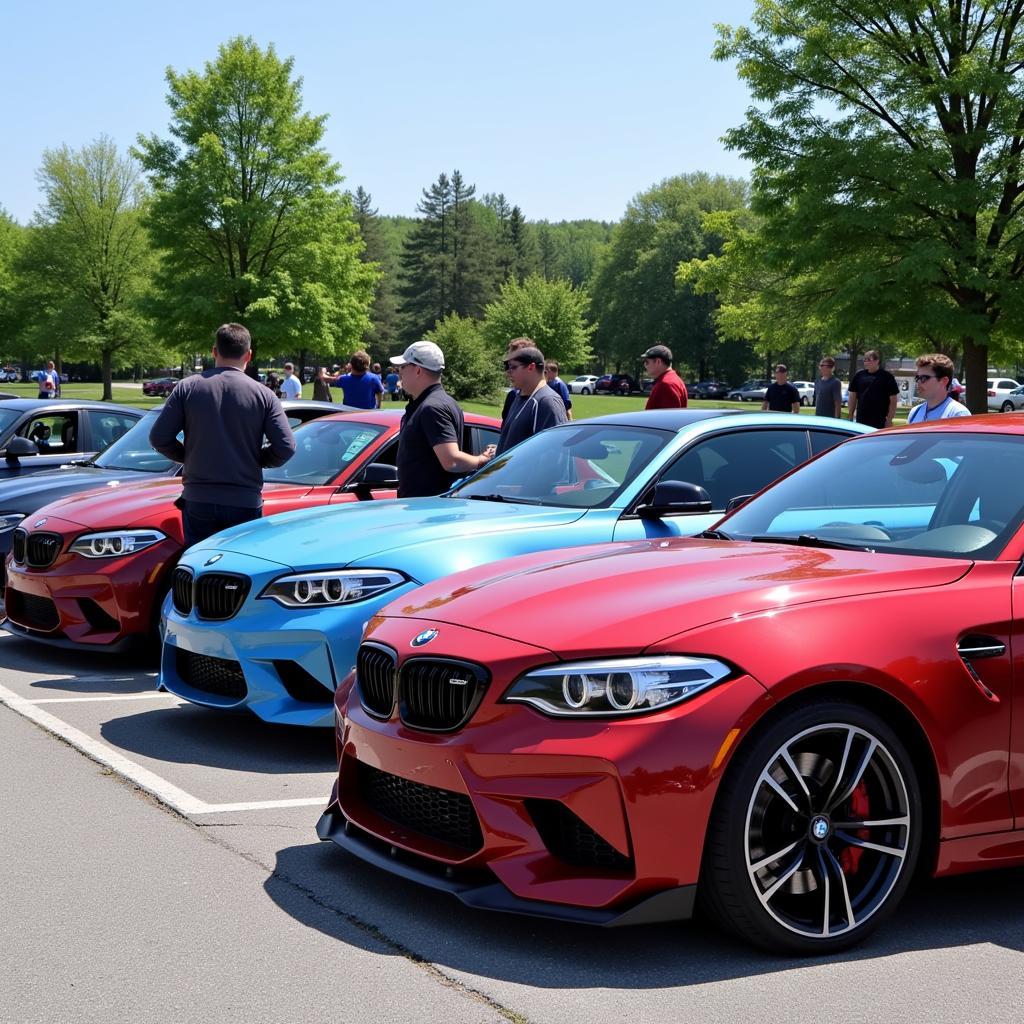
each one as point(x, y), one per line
point(822, 440)
point(322, 450)
point(108, 427)
point(584, 466)
point(133, 451)
point(739, 463)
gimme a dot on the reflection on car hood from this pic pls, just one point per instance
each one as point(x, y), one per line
point(617, 598)
point(387, 534)
point(29, 492)
point(130, 502)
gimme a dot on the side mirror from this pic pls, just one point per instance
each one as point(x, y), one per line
point(675, 497)
point(376, 474)
point(19, 447)
point(740, 499)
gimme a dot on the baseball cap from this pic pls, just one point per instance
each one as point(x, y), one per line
point(662, 352)
point(421, 353)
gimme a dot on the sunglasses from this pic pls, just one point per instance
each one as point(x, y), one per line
point(922, 377)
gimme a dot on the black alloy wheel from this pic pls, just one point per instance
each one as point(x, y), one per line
point(1008, 407)
point(815, 833)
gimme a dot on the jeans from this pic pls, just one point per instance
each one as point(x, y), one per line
point(201, 519)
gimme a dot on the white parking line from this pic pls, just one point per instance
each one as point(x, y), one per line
point(164, 791)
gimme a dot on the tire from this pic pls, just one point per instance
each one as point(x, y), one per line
point(1007, 407)
point(805, 401)
point(789, 791)
point(585, 391)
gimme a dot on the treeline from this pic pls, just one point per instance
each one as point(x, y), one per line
point(238, 213)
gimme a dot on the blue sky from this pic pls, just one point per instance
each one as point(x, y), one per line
point(569, 108)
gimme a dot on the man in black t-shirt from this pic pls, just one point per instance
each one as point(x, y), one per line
point(873, 393)
point(430, 456)
point(780, 395)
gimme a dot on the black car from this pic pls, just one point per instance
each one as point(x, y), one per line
point(616, 384)
point(710, 389)
point(37, 434)
point(127, 459)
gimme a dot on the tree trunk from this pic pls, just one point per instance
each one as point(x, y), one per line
point(108, 395)
point(976, 375)
point(302, 365)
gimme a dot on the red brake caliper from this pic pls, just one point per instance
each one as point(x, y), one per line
point(849, 858)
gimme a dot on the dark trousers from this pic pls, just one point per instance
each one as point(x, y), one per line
point(201, 519)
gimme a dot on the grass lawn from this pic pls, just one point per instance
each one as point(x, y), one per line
point(584, 406)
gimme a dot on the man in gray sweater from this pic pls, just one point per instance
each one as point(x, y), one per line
point(225, 415)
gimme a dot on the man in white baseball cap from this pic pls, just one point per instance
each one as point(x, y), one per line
point(430, 455)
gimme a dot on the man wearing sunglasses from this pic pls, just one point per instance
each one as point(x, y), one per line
point(934, 379)
point(536, 406)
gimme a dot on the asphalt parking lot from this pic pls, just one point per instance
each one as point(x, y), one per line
point(161, 865)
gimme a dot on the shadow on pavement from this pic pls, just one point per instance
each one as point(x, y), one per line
point(235, 741)
point(986, 907)
point(81, 672)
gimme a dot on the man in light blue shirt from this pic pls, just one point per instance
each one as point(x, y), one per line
point(934, 378)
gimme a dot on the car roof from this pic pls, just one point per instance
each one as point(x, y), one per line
point(987, 423)
point(389, 417)
point(681, 419)
point(64, 404)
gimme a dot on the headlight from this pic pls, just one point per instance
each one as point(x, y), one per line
point(616, 686)
point(323, 589)
point(114, 543)
point(9, 520)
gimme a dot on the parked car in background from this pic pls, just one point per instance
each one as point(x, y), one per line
point(91, 571)
point(751, 391)
point(10, 375)
point(709, 389)
point(43, 433)
point(641, 727)
point(309, 581)
point(584, 384)
point(161, 387)
point(806, 389)
point(616, 384)
point(1013, 401)
point(999, 389)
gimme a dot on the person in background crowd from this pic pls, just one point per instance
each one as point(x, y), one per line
point(536, 406)
point(780, 395)
point(430, 455)
point(271, 382)
point(49, 382)
point(360, 388)
point(321, 386)
point(225, 416)
point(376, 368)
point(934, 380)
point(514, 346)
point(873, 393)
point(391, 383)
point(291, 386)
point(668, 390)
point(828, 392)
point(559, 385)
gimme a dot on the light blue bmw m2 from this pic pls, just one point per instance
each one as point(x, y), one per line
point(268, 616)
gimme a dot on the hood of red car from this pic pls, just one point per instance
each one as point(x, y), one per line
point(619, 598)
point(128, 503)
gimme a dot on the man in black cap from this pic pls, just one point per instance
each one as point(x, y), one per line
point(536, 406)
point(669, 391)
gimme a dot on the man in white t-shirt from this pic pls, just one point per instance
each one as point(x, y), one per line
point(290, 386)
point(934, 378)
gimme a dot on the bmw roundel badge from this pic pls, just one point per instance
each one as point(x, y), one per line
point(210, 561)
point(423, 638)
point(38, 523)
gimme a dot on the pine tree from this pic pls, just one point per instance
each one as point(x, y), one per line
point(425, 290)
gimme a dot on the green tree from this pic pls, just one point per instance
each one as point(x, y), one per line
point(552, 313)
point(471, 370)
point(636, 298)
point(87, 262)
point(887, 148)
point(12, 240)
point(247, 211)
point(381, 337)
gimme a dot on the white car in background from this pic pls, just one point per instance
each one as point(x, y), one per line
point(1012, 402)
point(583, 385)
point(999, 389)
point(806, 389)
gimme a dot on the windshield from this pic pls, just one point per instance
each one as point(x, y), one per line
point(322, 449)
point(132, 451)
point(584, 466)
point(951, 495)
point(8, 417)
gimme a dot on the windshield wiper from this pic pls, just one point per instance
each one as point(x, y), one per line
point(714, 535)
point(503, 498)
point(808, 540)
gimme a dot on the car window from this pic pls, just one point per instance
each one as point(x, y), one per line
point(52, 433)
point(134, 453)
point(938, 494)
point(108, 427)
point(7, 420)
point(577, 466)
point(322, 449)
point(822, 440)
point(740, 462)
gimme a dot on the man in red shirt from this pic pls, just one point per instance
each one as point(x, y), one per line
point(669, 392)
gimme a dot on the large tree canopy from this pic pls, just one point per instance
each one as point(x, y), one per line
point(887, 150)
point(247, 211)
